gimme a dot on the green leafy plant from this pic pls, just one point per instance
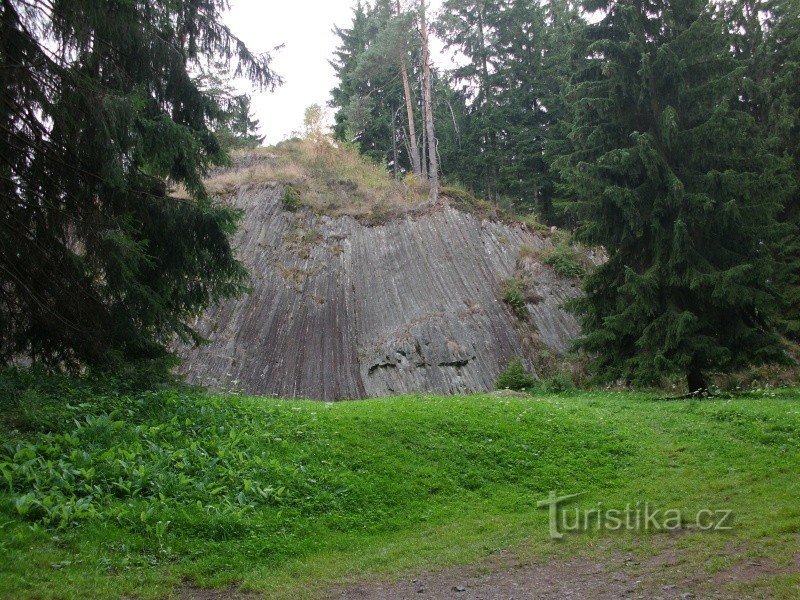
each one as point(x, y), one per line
point(559, 383)
point(512, 291)
point(291, 198)
point(531, 221)
point(566, 260)
point(515, 377)
point(121, 490)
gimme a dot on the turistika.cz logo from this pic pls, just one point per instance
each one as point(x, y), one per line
point(639, 516)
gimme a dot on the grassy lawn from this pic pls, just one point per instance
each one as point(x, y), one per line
point(106, 493)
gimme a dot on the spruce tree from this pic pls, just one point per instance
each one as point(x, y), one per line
point(100, 121)
point(524, 111)
point(369, 97)
point(469, 27)
point(234, 126)
point(519, 54)
point(774, 66)
point(669, 174)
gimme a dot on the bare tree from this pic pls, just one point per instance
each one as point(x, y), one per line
point(427, 103)
point(416, 164)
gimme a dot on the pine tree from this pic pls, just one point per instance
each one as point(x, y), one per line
point(427, 104)
point(369, 96)
point(670, 175)
point(468, 26)
point(346, 57)
point(234, 126)
point(523, 111)
point(451, 118)
point(564, 57)
point(99, 120)
point(518, 53)
point(402, 59)
point(781, 59)
point(773, 62)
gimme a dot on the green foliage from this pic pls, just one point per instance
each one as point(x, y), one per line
point(566, 260)
point(122, 449)
point(515, 377)
point(233, 125)
point(101, 117)
point(296, 497)
point(313, 119)
point(517, 54)
point(465, 200)
point(369, 93)
point(559, 383)
point(766, 41)
point(673, 179)
point(186, 469)
point(512, 291)
point(291, 198)
point(534, 223)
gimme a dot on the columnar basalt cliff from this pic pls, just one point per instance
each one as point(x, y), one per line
point(341, 310)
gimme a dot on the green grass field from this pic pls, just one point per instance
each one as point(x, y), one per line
point(107, 493)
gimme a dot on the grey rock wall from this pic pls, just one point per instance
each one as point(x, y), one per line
point(340, 310)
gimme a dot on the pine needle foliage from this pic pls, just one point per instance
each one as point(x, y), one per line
point(100, 119)
point(668, 173)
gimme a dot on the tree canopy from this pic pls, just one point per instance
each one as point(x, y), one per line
point(101, 121)
point(665, 131)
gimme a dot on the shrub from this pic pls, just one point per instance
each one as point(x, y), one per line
point(515, 377)
point(558, 383)
point(565, 260)
point(532, 222)
point(512, 292)
point(291, 198)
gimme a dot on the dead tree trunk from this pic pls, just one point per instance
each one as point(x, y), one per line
point(427, 101)
point(416, 165)
point(395, 166)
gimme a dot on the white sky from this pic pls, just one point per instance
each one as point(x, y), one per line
point(305, 28)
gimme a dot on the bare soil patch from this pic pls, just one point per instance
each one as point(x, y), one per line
point(665, 576)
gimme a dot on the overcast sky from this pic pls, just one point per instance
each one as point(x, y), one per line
point(304, 27)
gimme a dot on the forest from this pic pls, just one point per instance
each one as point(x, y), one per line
point(664, 132)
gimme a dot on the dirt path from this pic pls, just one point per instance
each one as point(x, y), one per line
point(668, 575)
point(665, 577)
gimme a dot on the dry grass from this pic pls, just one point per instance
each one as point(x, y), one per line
point(329, 178)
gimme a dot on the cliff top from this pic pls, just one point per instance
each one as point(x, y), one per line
point(333, 179)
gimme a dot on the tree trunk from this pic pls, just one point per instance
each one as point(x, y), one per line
point(696, 381)
point(395, 166)
point(488, 100)
point(427, 100)
point(416, 165)
point(424, 138)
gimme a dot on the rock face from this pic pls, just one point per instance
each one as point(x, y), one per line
point(340, 310)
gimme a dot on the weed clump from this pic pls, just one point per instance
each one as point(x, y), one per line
point(559, 383)
point(515, 377)
point(291, 198)
point(566, 260)
point(513, 293)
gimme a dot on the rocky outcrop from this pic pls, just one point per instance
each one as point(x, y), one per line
point(342, 310)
